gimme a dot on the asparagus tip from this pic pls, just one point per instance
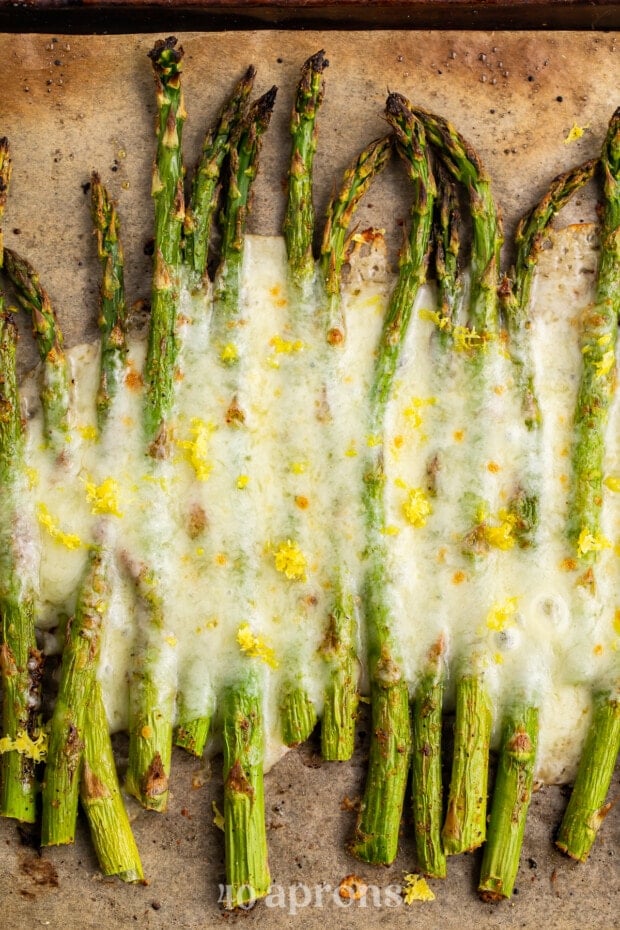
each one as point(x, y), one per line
point(317, 62)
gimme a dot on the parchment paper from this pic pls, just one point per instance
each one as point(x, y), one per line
point(73, 104)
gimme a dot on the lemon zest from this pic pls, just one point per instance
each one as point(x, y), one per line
point(591, 542)
point(25, 745)
point(576, 132)
point(417, 508)
point(502, 614)
point(415, 888)
point(606, 363)
point(612, 483)
point(285, 346)
point(243, 481)
point(229, 353)
point(254, 647)
point(197, 447)
point(290, 560)
point(103, 497)
point(45, 518)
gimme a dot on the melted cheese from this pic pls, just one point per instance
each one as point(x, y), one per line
point(260, 500)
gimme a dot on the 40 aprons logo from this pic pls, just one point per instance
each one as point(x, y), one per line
point(298, 896)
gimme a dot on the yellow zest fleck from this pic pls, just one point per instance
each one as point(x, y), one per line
point(598, 650)
point(285, 346)
point(502, 614)
point(493, 467)
point(103, 497)
point(498, 658)
point(616, 621)
point(390, 530)
point(229, 353)
point(221, 558)
point(568, 565)
point(197, 447)
point(243, 481)
point(200, 550)
point(218, 817)
point(254, 646)
point(25, 745)
point(604, 340)
point(606, 363)
point(612, 483)
point(70, 540)
point(302, 502)
point(459, 577)
point(33, 477)
point(417, 508)
point(458, 435)
point(88, 433)
point(171, 640)
point(575, 133)
point(501, 536)
point(499, 389)
point(441, 321)
point(591, 542)
point(156, 479)
point(146, 732)
point(290, 560)
point(298, 468)
point(351, 452)
point(466, 339)
point(372, 441)
point(415, 888)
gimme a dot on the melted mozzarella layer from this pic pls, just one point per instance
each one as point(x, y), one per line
point(258, 508)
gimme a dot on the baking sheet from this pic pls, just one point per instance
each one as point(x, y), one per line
point(71, 104)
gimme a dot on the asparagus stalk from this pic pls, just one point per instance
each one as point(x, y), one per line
point(206, 183)
point(66, 737)
point(55, 379)
point(465, 166)
point(586, 809)
point(151, 701)
point(299, 218)
point(101, 798)
point(447, 248)
point(167, 191)
point(339, 648)
point(511, 800)
point(376, 832)
point(247, 869)
point(598, 376)
point(465, 825)
point(426, 766)
point(112, 307)
point(20, 661)
point(297, 712)
point(243, 169)
point(357, 179)
point(517, 755)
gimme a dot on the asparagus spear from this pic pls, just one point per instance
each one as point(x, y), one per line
point(357, 179)
point(20, 661)
point(205, 187)
point(518, 751)
point(586, 809)
point(243, 168)
point(151, 700)
point(511, 800)
point(66, 737)
point(299, 218)
point(55, 380)
point(598, 377)
point(376, 832)
point(426, 765)
point(465, 825)
point(339, 648)
point(167, 190)
point(112, 307)
point(447, 248)
point(247, 870)
point(101, 798)
point(297, 712)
